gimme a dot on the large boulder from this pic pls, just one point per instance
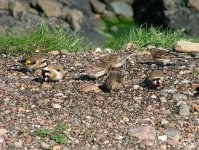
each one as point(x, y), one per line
point(176, 14)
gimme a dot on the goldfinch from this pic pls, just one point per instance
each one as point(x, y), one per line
point(33, 63)
point(96, 70)
point(113, 81)
point(115, 60)
point(155, 79)
point(52, 73)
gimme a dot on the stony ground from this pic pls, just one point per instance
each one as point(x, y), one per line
point(133, 117)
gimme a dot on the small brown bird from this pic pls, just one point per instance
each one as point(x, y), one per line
point(96, 70)
point(115, 60)
point(33, 63)
point(52, 73)
point(114, 81)
point(155, 79)
point(162, 56)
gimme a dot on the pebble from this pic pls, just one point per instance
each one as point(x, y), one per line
point(57, 147)
point(3, 131)
point(44, 145)
point(184, 109)
point(162, 138)
point(169, 90)
point(147, 133)
point(18, 144)
point(56, 106)
point(178, 97)
point(173, 133)
point(135, 87)
point(163, 99)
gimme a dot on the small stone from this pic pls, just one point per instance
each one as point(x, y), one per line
point(163, 147)
point(18, 144)
point(163, 99)
point(135, 87)
point(178, 97)
point(172, 142)
point(146, 133)
point(184, 109)
point(153, 96)
point(54, 52)
point(45, 145)
point(98, 50)
point(169, 90)
point(98, 6)
point(173, 133)
point(57, 147)
point(164, 121)
point(119, 137)
point(3, 131)
point(162, 138)
point(56, 106)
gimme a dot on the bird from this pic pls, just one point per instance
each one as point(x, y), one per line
point(95, 70)
point(33, 63)
point(53, 73)
point(115, 60)
point(114, 81)
point(162, 56)
point(155, 79)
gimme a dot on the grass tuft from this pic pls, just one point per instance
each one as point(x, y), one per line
point(56, 134)
point(142, 37)
point(43, 38)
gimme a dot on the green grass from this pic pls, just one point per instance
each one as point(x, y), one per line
point(144, 36)
point(56, 134)
point(42, 38)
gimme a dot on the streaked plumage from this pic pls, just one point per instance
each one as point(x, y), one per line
point(33, 63)
point(115, 60)
point(52, 73)
point(96, 70)
point(114, 80)
point(161, 55)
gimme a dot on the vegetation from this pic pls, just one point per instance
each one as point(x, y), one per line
point(143, 36)
point(41, 38)
point(44, 39)
point(56, 134)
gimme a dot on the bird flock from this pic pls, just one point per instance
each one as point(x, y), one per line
point(106, 65)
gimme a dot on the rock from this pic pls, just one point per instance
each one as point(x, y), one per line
point(57, 147)
point(178, 97)
point(146, 133)
point(54, 52)
point(3, 131)
point(184, 109)
point(56, 106)
point(173, 133)
point(4, 4)
point(45, 145)
point(194, 4)
point(18, 144)
point(169, 90)
point(75, 18)
point(98, 6)
point(172, 142)
point(122, 9)
point(49, 7)
point(16, 8)
point(186, 46)
point(163, 138)
point(89, 87)
point(177, 14)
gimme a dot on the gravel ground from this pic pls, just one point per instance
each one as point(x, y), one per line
point(132, 118)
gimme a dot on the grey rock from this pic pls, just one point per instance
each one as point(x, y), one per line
point(178, 97)
point(184, 109)
point(177, 14)
point(121, 8)
point(50, 8)
point(4, 4)
point(172, 133)
point(98, 6)
point(16, 8)
point(169, 90)
point(146, 133)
